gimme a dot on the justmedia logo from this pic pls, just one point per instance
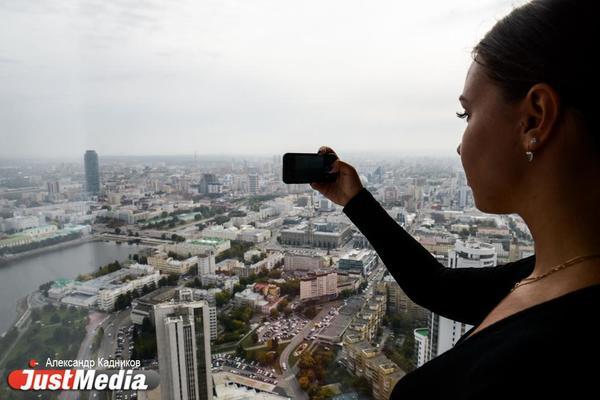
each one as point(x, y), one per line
point(81, 379)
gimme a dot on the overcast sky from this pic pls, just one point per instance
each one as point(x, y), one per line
point(250, 76)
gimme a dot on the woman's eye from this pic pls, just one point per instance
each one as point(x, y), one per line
point(463, 115)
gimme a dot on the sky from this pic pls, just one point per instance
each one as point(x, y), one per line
point(171, 77)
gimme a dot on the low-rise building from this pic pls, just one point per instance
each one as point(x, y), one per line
point(323, 235)
point(141, 308)
point(169, 265)
point(268, 263)
point(254, 235)
point(107, 296)
point(364, 360)
point(260, 298)
point(104, 290)
point(299, 260)
point(220, 280)
point(249, 298)
point(218, 231)
point(199, 246)
point(227, 265)
point(229, 386)
point(359, 261)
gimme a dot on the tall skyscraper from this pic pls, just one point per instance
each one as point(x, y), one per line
point(206, 182)
point(92, 172)
point(183, 342)
point(53, 187)
point(253, 183)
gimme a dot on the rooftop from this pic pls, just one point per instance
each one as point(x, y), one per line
point(422, 331)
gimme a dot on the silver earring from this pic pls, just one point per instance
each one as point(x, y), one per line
point(529, 154)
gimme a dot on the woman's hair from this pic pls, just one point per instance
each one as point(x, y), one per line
point(547, 41)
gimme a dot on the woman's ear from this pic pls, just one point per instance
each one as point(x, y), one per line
point(540, 111)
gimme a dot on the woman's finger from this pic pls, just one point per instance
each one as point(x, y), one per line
point(325, 149)
point(335, 167)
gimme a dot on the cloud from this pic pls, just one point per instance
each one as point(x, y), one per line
point(8, 60)
point(215, 76)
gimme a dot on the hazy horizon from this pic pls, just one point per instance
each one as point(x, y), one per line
point(231, 78)
point(382, 156)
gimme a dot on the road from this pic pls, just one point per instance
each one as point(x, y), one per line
point(111, 324)
point(124, 238)
point(109, 343)
point(85, 353)
point(24, 322)
point(288, 380)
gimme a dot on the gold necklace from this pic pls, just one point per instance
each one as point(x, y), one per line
point(557, 268)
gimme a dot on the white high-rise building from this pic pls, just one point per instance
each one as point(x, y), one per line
point(189, 294)
point(463, 196)
point(421, 345)
point(183, 342)
point(206, 263)
point(319, 284)
point(444, 332)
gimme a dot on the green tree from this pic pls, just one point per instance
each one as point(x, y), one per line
point(239, 351)
point(282, 304)
point(304, 382)
point(310, 312)
point(222, 298)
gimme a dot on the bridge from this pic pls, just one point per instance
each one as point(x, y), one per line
point(125, 238)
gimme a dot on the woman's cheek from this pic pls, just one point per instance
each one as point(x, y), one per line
point(468, 154)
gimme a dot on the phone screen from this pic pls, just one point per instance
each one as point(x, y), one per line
point(307, 167)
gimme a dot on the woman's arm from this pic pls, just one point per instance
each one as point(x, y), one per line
point(461, 294)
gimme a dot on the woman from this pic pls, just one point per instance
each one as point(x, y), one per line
point(531, 147)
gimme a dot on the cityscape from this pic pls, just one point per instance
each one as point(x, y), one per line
point(225, 281)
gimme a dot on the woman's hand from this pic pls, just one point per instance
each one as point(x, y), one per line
point(346, 186)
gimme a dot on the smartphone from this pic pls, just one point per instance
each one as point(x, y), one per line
point(308, 167)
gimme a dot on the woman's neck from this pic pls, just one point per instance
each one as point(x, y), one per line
point(564, 224)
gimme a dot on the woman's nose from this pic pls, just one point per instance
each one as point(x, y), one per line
point(458, 149)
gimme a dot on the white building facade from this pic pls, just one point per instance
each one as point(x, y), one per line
point(318, 284)
point(444, 332)
point(183, 343)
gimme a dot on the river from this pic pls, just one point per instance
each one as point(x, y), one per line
point(22, 276)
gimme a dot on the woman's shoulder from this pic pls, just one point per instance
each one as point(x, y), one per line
point(529, 346)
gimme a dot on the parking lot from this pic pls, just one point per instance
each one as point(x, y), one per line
point(282, 328)
point(121, 342)
point(238, 365)
point(323, 323)
point(119, 355)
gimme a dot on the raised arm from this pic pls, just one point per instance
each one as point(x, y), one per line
point(461, 294)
